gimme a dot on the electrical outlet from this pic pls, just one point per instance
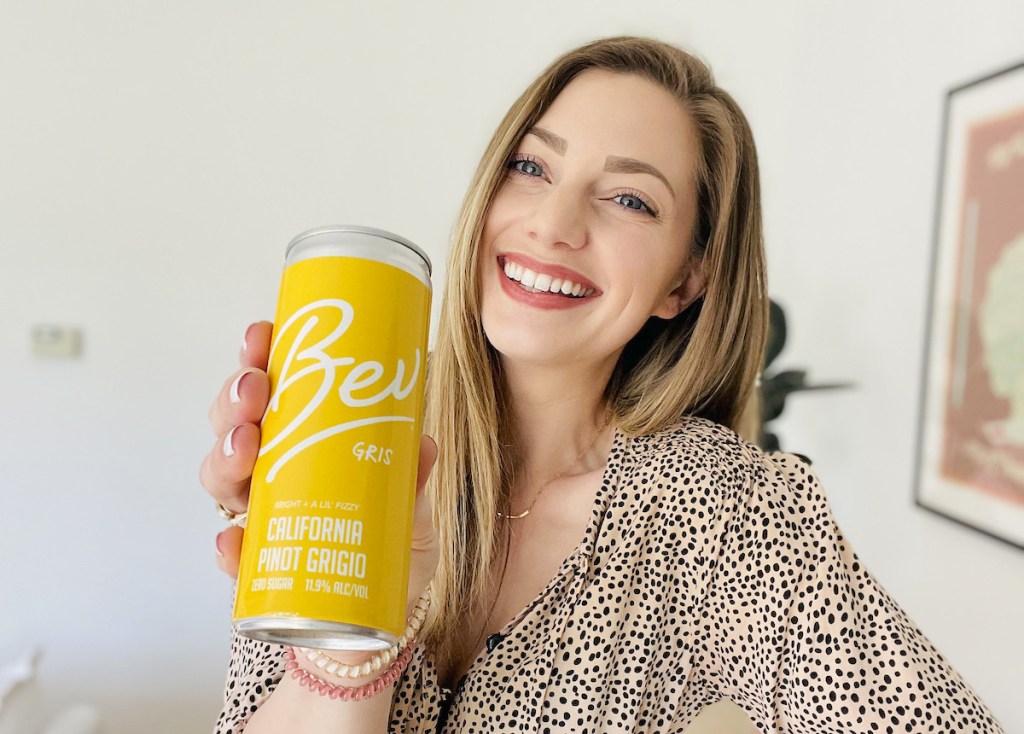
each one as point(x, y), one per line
point(49, 340)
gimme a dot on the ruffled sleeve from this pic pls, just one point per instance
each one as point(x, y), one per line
point(254, 671)
point(803, 638)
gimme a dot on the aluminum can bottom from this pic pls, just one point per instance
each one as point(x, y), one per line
point(314, 633)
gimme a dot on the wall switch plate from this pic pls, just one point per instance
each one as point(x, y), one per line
point(49, 340)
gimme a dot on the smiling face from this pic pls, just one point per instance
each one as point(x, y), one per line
point(589, 235)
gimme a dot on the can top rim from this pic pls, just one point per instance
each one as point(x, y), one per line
point(361, 229)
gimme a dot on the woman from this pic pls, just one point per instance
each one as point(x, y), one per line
point(606, 553)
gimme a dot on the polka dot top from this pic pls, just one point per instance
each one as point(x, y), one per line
point(709, 570)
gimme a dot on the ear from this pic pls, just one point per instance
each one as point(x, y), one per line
point(690, 287)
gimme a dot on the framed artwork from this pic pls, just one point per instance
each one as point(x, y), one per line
point(970, 460)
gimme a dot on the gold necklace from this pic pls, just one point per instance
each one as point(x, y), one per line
point(503, 516)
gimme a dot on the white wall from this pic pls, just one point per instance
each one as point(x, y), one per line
point(155, 158)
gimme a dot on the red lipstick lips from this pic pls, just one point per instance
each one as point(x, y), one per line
point(584, 288)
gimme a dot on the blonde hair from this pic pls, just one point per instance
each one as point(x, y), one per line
point(702, 363)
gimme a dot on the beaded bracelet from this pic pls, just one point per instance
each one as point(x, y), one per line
point(336, 668)
point(348, 693)
point(402, 652)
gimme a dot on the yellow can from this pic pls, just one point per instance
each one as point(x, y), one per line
point(325, 559)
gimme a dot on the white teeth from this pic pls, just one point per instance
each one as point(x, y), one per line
point(544, 283)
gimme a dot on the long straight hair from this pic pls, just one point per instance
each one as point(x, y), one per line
point(702, 363)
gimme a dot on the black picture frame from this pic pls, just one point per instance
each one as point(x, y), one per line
point(970, 449)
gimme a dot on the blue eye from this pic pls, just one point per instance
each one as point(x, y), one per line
point(630, 202)
point(526, 167)
point(635, 203)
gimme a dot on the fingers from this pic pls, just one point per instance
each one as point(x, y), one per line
point(229, 550)
point(227, 469)
point(256, 345)
point(235, 416)
point(242, 399)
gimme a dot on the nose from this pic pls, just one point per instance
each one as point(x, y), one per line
point(559, 217)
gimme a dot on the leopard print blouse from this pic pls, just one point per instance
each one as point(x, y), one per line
point(709, 570)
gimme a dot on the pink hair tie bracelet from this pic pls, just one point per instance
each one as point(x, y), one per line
point(400, 653)
point(349, 693)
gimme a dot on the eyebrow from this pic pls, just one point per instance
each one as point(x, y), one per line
point(617, 164)
point(556, 142)
point(613, 163)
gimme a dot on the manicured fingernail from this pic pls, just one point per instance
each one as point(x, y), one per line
point(245, 338)
point(228, 447)
point(220, 535)
point(233, 394)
